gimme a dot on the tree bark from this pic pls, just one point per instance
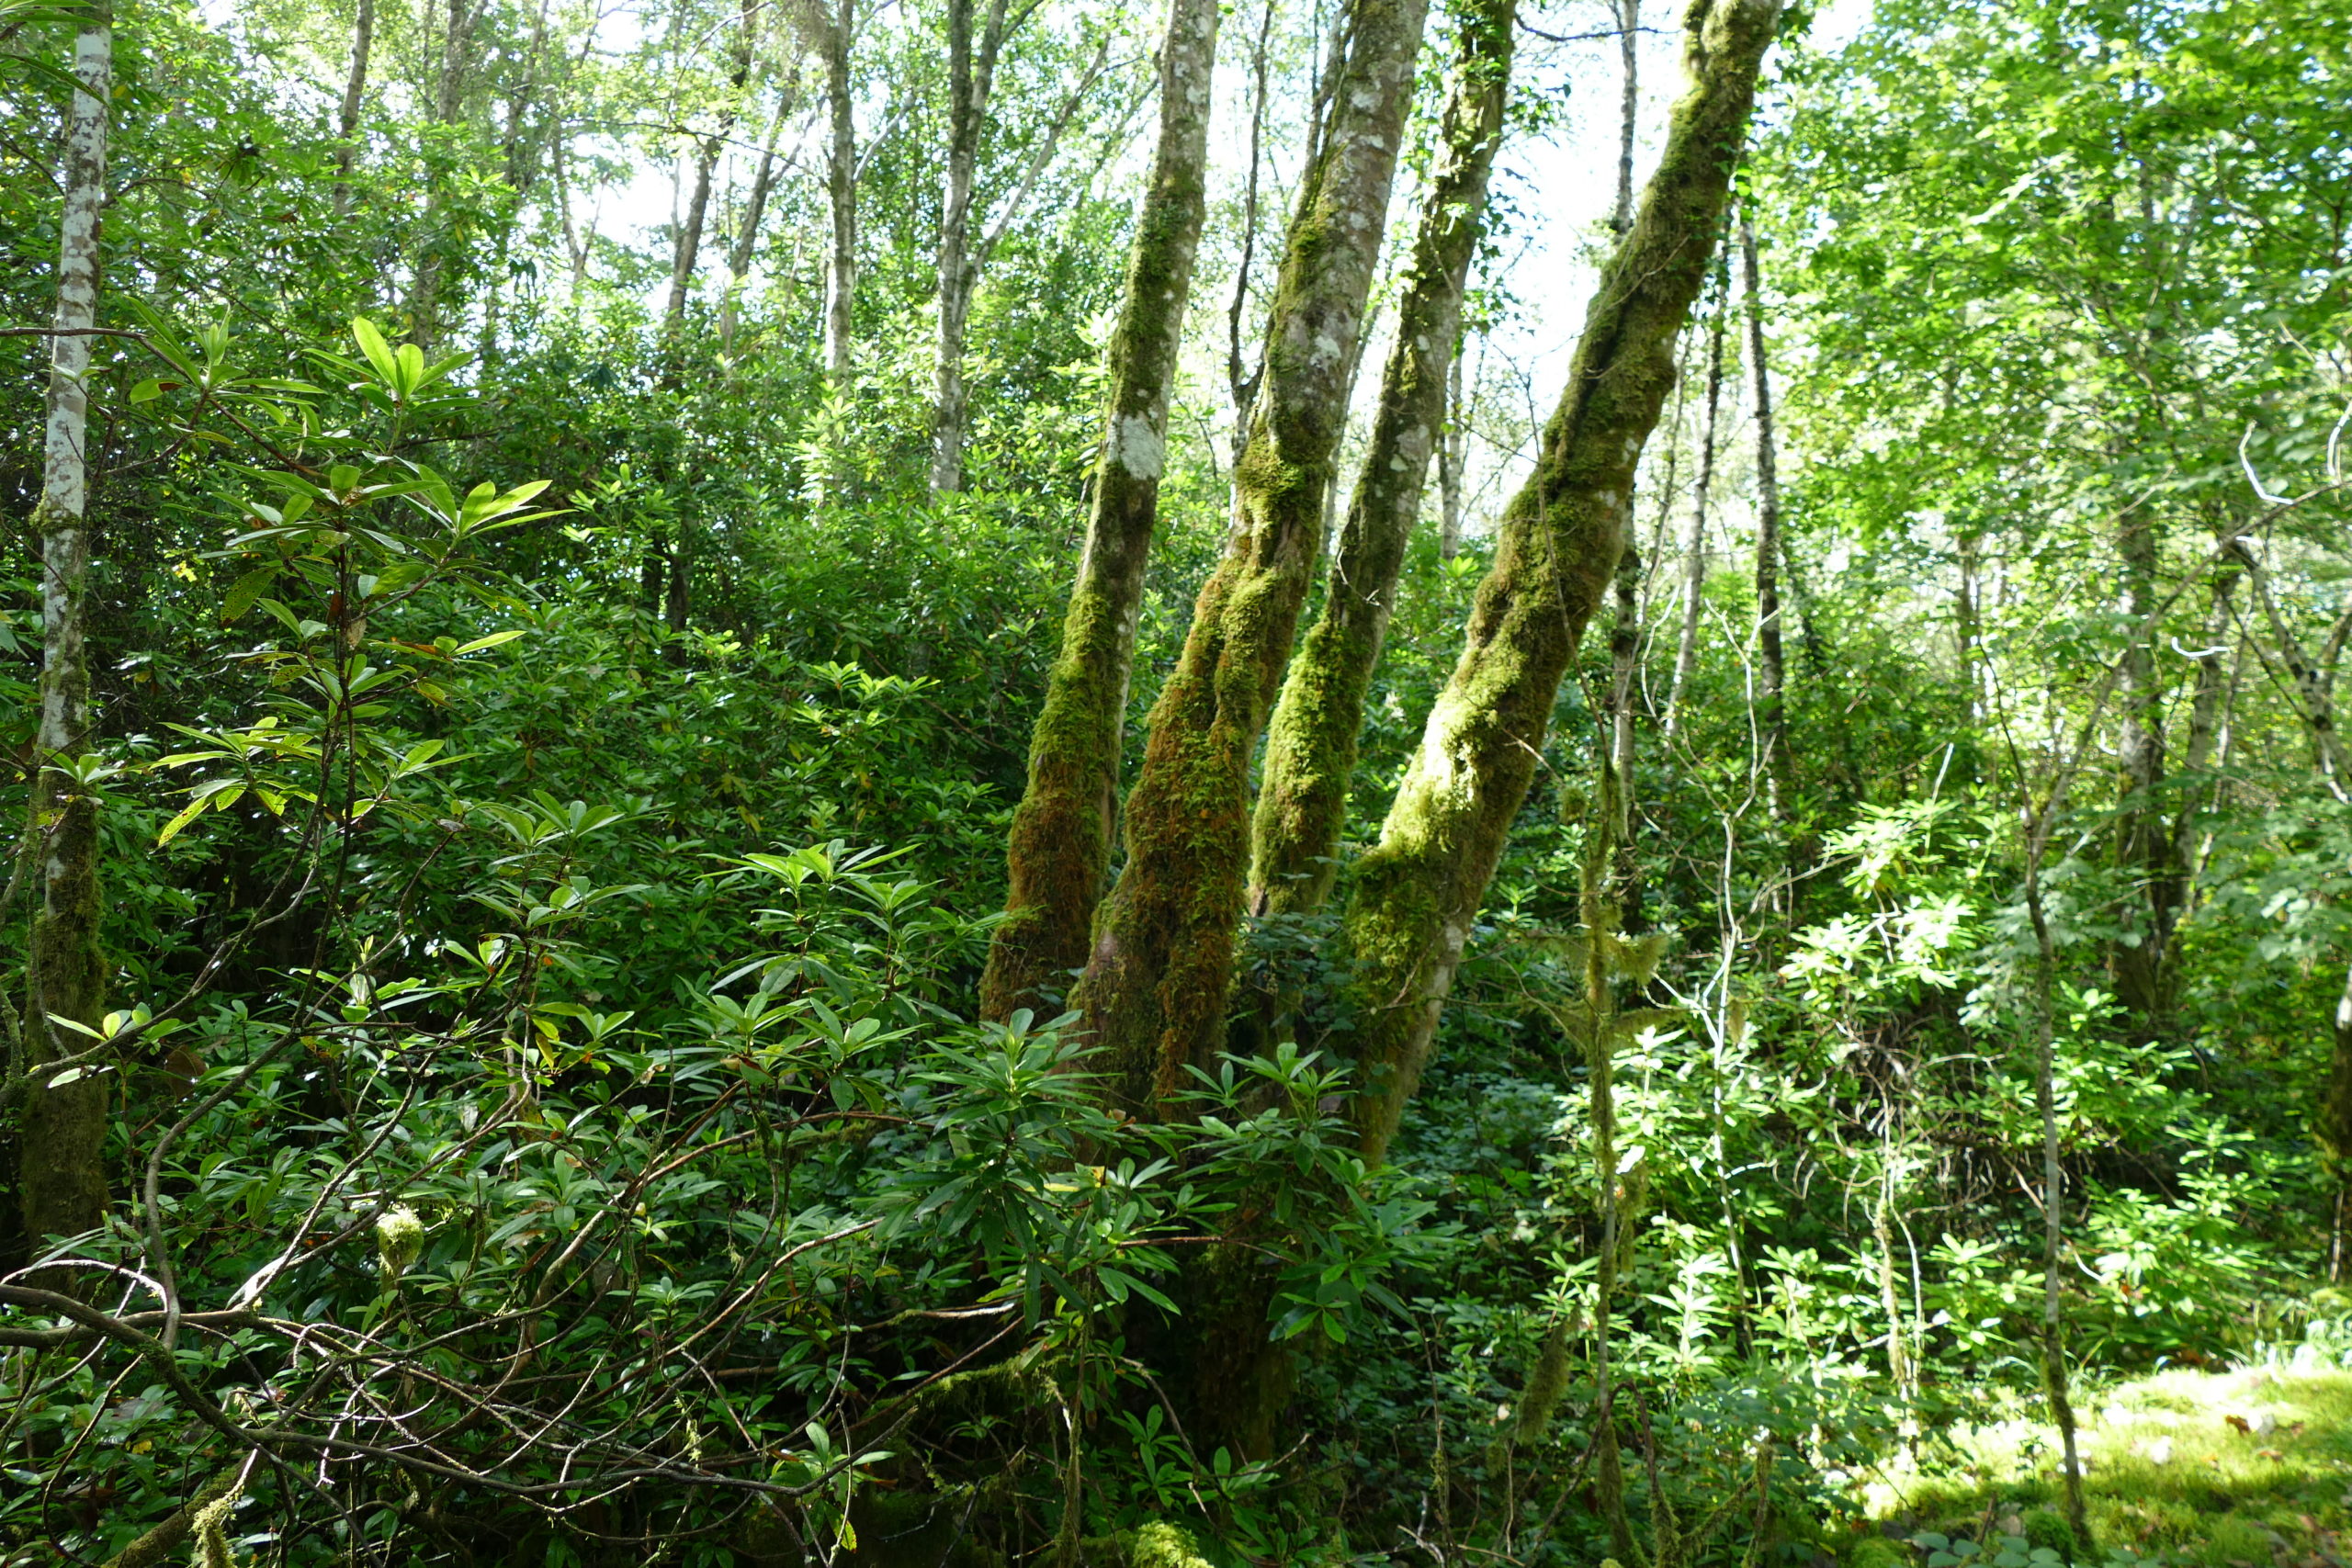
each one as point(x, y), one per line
point(1694, 538)
point(1557, 550)
point(1772, 663)
point(756, 205)
point(2141, 962)
point(1311, 743)
point(1060, 844)
point(1625, 626)
point(354, 87)
point(971, 75)
point(62, 1181)
point(687, 259)
point(1453, 457)
point(1154, 991)
point(840, 193)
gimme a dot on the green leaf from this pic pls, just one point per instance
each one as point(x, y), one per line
point(493, 640)
point(372, 343)
point(245, 591)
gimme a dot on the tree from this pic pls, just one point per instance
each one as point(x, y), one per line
point(1154, 991)
point(1311, 743)
point(1418, 889)
point(62, 1132)
point(1060, 842)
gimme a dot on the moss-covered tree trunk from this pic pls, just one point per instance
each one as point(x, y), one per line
point(62, 1136)
point(1556, 551)
point(1311, 743)
point(1060, 848)
point(1154, 991)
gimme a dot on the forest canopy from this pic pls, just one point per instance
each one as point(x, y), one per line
point(1150, 785)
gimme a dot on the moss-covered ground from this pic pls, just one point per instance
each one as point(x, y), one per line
point(2218, 1468)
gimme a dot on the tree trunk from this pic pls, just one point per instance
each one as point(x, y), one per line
point(755, 206)
point(424, 301)
point(1625, 626)
point(1694, 538)
point(1154, 991)
point(1311, 744)
point(1453, 457)
point(971, 72)
point(840, 194)
point(686, 259)
point(61, 1180)
point(363, 37)
point(1771, 664)
point(1060, 846)
point(1557, 549)
point(2140, 963)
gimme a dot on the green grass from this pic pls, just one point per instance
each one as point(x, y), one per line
point(2167, 1472)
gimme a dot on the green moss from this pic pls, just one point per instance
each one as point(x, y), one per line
point(1876, 1552)
point(2044, 1526)
point(1160, 1545)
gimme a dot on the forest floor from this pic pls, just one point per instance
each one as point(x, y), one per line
point(2250, 1467)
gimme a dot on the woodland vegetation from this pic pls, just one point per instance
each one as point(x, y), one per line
point(1310, 782)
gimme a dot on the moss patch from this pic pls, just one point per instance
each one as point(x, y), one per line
point(2252, 1467)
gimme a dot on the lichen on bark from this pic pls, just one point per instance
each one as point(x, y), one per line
point(1154, 991)
point(1060, 844)
point(1311, 743)
point(1418, 890)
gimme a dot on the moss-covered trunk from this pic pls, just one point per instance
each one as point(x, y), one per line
point(1557, 550)
point(1060, 846)
point(1154, 991)
point(1311, 744)
point(62, 1135)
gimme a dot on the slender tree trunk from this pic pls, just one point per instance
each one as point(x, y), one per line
point(62, 1181)
point(1311, 744)
point(1694, 538)
point(686, 258)
point(1453, 457)
point(1625, 626)
point(1243, 383)
point(2140, 964)
point(1629, 106)
point(756, 205)
point(1969, 632)
point(354, 87)
point(448, 96)
point(971, 71)
point(1771, 665)
point(1154, 991)
point(1060, 846)
point(2053, 1193)
point(1420, 888)
point(840, 194)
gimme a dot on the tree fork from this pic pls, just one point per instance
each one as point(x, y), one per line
point(1154, 991)
point(1060, 842)
point(1557, 552)
point(1311, 744)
